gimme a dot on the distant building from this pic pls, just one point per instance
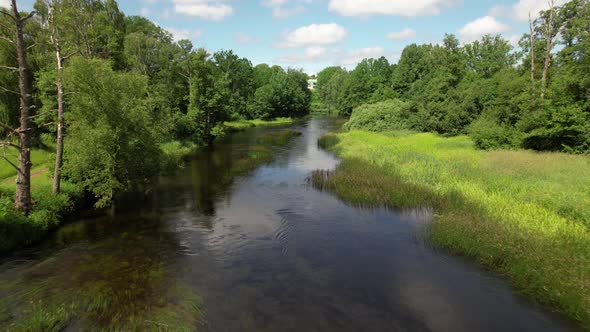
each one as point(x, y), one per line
point(311, 83)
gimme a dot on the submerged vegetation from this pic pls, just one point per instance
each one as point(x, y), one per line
point(524, 214)
point(262, 151)
point(120, 284)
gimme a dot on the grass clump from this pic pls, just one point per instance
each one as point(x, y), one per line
point(174, 154)
point(524, 214)
point(245, 124)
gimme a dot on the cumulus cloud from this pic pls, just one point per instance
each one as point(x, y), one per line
point(179, 34)
point(474, 30)
point(311, 54)
point(206, 9)
point(5, 3)
point(244, 38)
point(349, 58)
point(520, 11)
point(286, 8)
point(389, 7)
point(314, 35)
point(404, 34)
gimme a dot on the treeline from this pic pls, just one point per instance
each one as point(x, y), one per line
point(109, 89)
point(536, 96)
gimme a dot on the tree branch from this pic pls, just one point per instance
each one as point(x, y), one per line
point(11, 164)
point(10, 144)
point(8, 14)
point(31, 14)
point(7, 39)
point(42, 113)
point(9, 68)
point(8, 127)
point(10, 91)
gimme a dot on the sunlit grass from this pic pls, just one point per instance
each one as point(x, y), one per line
point(524, 214)
point(244, 124)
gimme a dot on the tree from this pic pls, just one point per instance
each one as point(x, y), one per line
point(22, 199)
point(112, 144)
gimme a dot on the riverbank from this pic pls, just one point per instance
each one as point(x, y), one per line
point(18, 230)
point(523, 214)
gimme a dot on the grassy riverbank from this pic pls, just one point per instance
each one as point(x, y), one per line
point(244, 124)
point(49, 210)
point(523, 214)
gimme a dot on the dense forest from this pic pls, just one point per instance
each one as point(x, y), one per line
point(535, 96)
point(109, 90)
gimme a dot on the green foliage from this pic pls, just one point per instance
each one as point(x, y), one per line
point(111, 146)
point(520, 213)
point(383, 116)
point(489, 135)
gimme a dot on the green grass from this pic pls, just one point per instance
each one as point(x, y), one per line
point(523, 214)
point(244, 124)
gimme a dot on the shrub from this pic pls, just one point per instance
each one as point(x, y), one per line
point(382, 116)
point(489, 135)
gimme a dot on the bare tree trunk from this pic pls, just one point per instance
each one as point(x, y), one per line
point(60, 103)
point(549, 37)
point(532, 52)
point(22, 199)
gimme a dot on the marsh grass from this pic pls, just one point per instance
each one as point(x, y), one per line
point(245, 124)
point(523, 214)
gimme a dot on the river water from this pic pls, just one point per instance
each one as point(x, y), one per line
point(268, 252)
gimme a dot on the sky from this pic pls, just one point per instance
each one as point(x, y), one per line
point(314, 34)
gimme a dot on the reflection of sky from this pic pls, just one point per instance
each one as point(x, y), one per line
point(277, 253)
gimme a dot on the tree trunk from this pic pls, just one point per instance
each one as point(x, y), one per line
point(549, 38)
point(60, 104)
point(22, 199)
point(532, 52)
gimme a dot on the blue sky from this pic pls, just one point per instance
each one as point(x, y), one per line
point(313, 34)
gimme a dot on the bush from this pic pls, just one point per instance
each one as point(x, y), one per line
point(382, 116)
point(557, 129)
point(489, 135)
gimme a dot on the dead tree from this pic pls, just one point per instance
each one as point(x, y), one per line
point(22, 199)
point(549, 35)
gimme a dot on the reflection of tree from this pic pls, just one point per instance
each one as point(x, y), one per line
point(125, 282)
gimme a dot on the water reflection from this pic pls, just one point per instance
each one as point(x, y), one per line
point(267, 252)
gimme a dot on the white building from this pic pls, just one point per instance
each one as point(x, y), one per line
point(311, 83)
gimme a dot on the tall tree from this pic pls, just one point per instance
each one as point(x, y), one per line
point(22, 199)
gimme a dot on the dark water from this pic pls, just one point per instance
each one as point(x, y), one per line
point(266, 252)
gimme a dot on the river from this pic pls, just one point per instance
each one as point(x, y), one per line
point(268, 252)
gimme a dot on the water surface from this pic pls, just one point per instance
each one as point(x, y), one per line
point(267, 252)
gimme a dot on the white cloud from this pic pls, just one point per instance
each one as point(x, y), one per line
point(514, 39)
point(348, 58)
point(244, 38)
point(404, 34)
point(285, 8)
point(179, 34)
point(311, 54)
point(5, 3)
point(207, 9)
point(388, 7)
point(314, 34)
point(520, 11)
point(474, 30)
